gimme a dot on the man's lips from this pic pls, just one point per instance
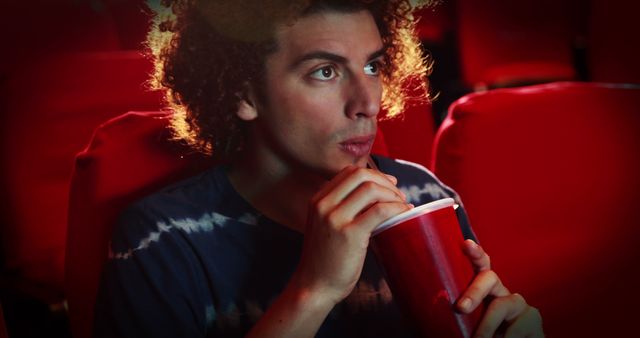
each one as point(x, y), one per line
point(358, 146)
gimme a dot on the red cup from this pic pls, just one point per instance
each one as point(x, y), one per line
point(421, 253)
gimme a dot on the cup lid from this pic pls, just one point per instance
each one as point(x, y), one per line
point(415, 212)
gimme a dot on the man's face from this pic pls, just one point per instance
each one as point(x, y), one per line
point(323, 91)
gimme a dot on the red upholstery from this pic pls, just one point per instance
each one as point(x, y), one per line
point(37, 28)
point(52, 109)
point(128, 157)
point(505, 42)
point(612, 57)
point(409, 137)
point(131, 18)
point(549, 176)
point(434, 22)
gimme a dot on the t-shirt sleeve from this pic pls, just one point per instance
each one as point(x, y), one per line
point(422, 186)
point(465, 226)
point(148, 287)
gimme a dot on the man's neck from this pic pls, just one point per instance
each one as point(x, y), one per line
point(280, 193)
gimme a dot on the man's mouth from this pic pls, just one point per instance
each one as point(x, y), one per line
point(358, 146)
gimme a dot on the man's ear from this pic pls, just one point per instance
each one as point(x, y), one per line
point(248, 106)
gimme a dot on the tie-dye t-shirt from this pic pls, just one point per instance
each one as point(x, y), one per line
point(196, 260)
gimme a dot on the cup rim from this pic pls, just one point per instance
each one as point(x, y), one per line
point(413, 213)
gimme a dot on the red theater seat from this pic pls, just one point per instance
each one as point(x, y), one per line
point(409, 137)
point(128, 157)
point(37, 28)
point(549, 176)
point(52, 108)
point(612, 54)
point(505, 42)
point(131, 19)
point(435, 22)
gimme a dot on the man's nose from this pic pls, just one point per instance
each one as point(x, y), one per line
point(363, 97)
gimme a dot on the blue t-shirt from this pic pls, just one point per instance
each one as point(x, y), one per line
point(197, 260)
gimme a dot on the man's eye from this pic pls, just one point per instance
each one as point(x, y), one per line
point(372, 68)
point(325, 73)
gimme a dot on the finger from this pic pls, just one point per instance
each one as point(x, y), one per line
point(327, 187)
point(501, 309)
point(348, 172)
point(362, 198)
point(379, 213)
point(528, 324)
point(350, 182)
point(479, 258)
point(484, 284)
point(391, 178)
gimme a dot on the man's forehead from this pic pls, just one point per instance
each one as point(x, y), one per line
point(337, 32)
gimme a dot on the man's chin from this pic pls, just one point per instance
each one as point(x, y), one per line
point(333, 170)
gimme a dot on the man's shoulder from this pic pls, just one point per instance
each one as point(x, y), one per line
point(189, 206)
point(420, 184)
point(404, 169)
point(182, 198)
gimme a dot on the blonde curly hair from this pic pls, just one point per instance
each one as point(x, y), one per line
point(205, 51)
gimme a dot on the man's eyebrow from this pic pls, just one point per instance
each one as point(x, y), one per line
point(380, 52)
point(332, 57)
point(319, 55)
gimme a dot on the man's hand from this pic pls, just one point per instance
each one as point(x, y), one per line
point(520, 319)
point(340, 220)
point(341, 217)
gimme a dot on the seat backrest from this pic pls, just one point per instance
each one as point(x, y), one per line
point(39, 28)
point(549, 177)
point(611, 56)
point(410, 137)
point(129, 156)
point(132, 21)
point(504, 42)
point(435, 22)
point(52, 108)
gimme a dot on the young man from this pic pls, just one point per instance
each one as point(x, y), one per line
point(274, 241)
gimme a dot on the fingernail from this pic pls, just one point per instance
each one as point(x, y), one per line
point(392, 178)
point(474, 245)
point(465, 304)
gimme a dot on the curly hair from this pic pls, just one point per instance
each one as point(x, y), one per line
point(206, 51)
